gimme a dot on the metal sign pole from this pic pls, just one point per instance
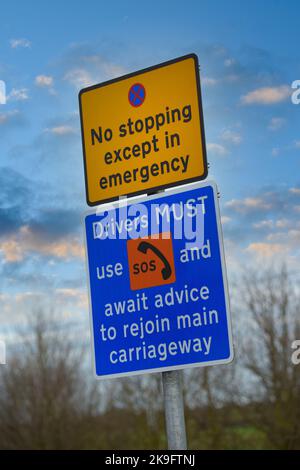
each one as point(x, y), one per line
point(174, 410)
point(173, 404)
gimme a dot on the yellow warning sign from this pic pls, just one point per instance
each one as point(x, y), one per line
point(144, 131)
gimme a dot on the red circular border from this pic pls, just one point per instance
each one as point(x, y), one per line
point(137, 105)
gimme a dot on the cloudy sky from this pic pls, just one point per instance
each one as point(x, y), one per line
point(249, 55)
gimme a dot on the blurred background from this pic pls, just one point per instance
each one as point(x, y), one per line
point(50, 400)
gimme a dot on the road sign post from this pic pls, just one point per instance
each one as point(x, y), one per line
point(174, 410)
point(158, 298)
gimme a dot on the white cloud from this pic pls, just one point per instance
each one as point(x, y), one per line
point(225, 219)
point(288, 238)
point(18, 94)
point(6, 117)
point(92, 69)
point(217, 149)
point(80, 78)
point(44, 81)
point(248, 204)
point(229, 62)
point(286, 148)
point(231, 136)
point(61, 130)
point(282, 223)
point(25, 242)
point(295, 190)
point(22, 42)
point(271, 224)
point(113, 70)
point(267, 95)
point(264, 224)
point(2, 92)
point(276, 123)
point(74, 295)
point(267, 250)
point(209, 81)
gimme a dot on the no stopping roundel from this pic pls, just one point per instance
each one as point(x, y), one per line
point(136, 95)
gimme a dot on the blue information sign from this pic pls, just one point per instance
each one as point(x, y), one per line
point(158, 287)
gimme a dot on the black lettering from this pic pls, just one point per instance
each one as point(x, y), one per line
point(108, 158)
point(103, 182)
point(139, 125)
point(176, 116)
point(127, 176)
point(117, 155)
point(136, 268)
point(108, 134)
point(154, 169)
point(187, 113)
point(154, 142)
point(97, 136)
point(126, 153)
point(164, 167)
point(122, 130)
point(152, 265)
point(144, 267)
point(173, 164)
point(136, 150)
point(129, 124)
point(115, 179)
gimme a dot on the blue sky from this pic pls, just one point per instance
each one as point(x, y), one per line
point(249, 55)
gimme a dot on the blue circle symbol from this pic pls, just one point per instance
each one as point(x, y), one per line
point(136, 95)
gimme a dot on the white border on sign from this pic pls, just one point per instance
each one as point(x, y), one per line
point(144, 198)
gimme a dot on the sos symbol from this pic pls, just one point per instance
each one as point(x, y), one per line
point(151, 262)
point(144, 267)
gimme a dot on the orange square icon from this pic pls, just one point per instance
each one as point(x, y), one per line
point(151, 261)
